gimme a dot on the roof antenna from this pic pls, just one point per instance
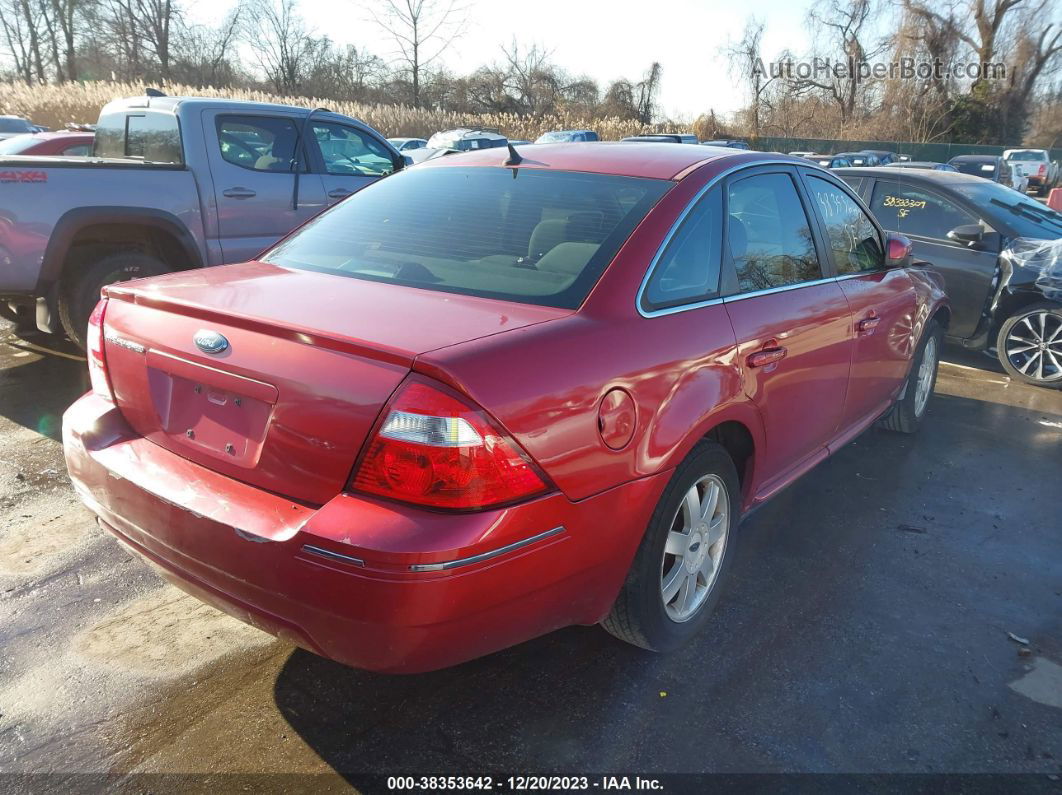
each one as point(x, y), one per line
point(514, 156)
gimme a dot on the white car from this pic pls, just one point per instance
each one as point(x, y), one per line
point(407, 144)
point(464, 139)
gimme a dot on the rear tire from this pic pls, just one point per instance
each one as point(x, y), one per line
point(1019, 345)
point(686, 543)
point(907, 413)
point(78, 298)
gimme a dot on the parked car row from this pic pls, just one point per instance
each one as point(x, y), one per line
point(1021, 169)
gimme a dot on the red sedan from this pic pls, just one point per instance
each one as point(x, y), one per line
point(492, 396)
point(62, 144)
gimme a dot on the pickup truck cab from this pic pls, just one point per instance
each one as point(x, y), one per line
point(172, 183)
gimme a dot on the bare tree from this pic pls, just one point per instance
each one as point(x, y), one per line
point(846, 21)
point(282, 43)
point(647, 91)
point(157, 20)
point(422, 30)
point(746, 60)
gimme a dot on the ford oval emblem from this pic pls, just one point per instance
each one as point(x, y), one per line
point(210, 341)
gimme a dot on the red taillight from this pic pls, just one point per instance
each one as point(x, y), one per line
point(1043, 169)
point(97, 361)
point(437, 449)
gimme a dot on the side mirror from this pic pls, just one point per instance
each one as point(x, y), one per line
point(969, 234)
point(897, 251)
point(407, 160)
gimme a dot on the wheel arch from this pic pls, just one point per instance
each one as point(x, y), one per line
point(737, 427)
point(124, 226)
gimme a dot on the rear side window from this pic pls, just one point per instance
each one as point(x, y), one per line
point(149, 136)
point(530, 235)
point(258, 143)
point(910, 211)
point(768, 234)
point(853, 237)
point(688, 269)
point(352, 152)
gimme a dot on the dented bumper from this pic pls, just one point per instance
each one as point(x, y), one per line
point(369, 583)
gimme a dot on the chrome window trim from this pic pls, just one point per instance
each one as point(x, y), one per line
point(780, 289)
point(493, 553)
point(327, 553)
point(671, 310)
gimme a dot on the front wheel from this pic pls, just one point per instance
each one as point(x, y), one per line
point(674, 581)
point(907, 413)
point(1029, 345)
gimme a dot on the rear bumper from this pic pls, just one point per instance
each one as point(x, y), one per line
point(369, 583)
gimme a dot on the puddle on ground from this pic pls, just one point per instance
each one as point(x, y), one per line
point(165, 634)
point(1042, 684)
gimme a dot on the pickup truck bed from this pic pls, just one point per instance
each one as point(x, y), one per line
point(174, 183)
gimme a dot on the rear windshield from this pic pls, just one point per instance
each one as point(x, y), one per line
point(528, 235)
point(975, 167)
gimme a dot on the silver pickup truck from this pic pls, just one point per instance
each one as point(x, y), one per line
point(172, 183)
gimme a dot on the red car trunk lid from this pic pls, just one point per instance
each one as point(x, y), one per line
point(311, 358)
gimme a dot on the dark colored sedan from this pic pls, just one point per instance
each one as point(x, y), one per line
point(831, 161)
point(861, 159)
point(1000, 254)
point(985, 166)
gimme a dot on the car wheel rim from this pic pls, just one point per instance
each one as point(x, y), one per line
point(694, 548)
point(925, 376)
point(1034, 346)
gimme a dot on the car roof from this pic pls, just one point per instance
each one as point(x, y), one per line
point(635, 159)
point(973, 158)
point(939, 177)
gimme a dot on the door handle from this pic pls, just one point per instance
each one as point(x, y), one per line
point(771, 353)
point(239, 193)
point(339, 193)
point(869, 323)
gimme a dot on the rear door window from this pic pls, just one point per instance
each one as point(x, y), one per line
point(769, 238)
point(913, 211)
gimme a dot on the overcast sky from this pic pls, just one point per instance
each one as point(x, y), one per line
point(604, 40)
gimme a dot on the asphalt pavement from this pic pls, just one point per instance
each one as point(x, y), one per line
point(873, 623)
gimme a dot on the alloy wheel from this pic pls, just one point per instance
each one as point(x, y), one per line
point(694, 549)
point(1034, 346)
point(926, 370)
